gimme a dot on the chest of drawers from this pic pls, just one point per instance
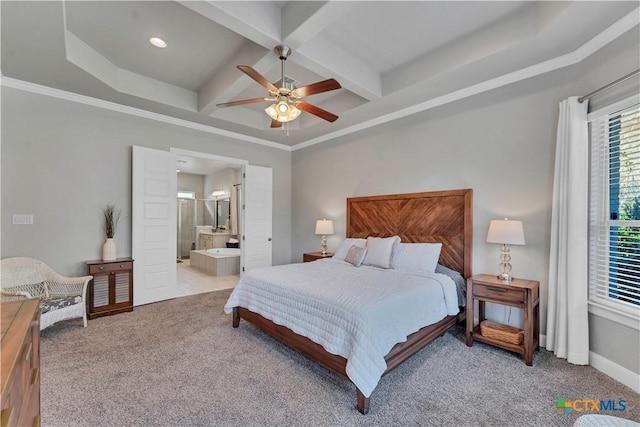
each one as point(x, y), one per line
point(20, 376)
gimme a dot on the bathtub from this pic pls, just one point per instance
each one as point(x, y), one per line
point(223, 252)
point(216, 261)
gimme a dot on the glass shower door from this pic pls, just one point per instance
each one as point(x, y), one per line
point(186, 228)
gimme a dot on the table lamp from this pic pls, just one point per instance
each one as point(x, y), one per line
point(505, 231)
point(324, 227)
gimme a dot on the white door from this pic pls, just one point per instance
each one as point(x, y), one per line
point(153, 225)
point(258, 211)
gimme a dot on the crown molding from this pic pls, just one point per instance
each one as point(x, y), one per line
point(112, 106)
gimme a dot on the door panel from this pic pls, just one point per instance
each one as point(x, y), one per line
point(258, 205)
point(154, 225)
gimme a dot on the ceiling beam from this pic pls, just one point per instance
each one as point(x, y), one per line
point(227, 82)
point(327, 59)
point(302, 25)
point(302, 21)
point(258, 21)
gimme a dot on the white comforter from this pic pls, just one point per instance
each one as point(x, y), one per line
point(357, 313)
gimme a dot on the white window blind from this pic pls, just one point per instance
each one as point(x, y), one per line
point(614, 270)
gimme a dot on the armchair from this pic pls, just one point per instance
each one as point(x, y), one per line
point(61, 297)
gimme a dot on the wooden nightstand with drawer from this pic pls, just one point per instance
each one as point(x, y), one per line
point(520, 293)
point(312, 256)
point(111, 290)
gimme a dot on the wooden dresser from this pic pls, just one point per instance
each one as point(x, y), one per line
point(20, 363)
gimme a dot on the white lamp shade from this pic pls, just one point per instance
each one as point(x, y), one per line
point(506, 231)
point(324, 226)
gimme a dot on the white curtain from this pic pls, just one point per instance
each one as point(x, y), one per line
point(567, 310)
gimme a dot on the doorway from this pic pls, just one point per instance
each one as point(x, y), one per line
point(154, 219)
point(208, 214)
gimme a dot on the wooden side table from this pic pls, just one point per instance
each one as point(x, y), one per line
point(520, 293)
point(111, 290)
point(312, 256)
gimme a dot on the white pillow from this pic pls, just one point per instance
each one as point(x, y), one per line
point(355, 255)
point(379, 251)
point(341, 253)
point(415, 257)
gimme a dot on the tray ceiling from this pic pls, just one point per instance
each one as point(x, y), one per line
point(392, 58)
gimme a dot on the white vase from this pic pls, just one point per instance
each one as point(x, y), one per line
point(109, 250)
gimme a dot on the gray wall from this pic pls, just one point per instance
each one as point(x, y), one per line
point(62, 161)
point(500, 143)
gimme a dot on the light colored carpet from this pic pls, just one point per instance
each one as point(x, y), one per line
point(180, 363)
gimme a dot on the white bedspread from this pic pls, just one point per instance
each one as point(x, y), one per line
point(357, 313)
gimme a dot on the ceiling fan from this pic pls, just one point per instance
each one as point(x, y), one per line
point(287, 100)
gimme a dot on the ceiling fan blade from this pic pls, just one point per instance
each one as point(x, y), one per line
point(316, 111)
point(318, 87)
point(244, 101)
point(275, 124)
point(258, 78)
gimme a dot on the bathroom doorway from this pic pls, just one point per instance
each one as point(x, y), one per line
point(194, 216)
point(209, 217)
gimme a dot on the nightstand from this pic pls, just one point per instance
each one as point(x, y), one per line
point(312, 256)
point(520, 293)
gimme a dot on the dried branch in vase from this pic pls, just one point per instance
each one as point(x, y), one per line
point(111, 218)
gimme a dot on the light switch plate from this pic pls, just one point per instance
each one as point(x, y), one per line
point(22, 219)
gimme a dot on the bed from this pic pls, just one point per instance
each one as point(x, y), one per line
point(442, 217)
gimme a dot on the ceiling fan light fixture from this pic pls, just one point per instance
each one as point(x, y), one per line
point(283, 111)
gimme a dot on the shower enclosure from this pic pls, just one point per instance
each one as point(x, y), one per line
point(191, 213)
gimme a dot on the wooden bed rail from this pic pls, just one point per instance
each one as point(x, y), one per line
point(338, 364)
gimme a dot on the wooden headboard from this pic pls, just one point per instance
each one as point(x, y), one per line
point(437, 216)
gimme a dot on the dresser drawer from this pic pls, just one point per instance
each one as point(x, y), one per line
point(20, 363)
point(498, 294)
point(22, 370)
point(115, 266)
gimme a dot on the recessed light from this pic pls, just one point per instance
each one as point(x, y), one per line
point(157, 42)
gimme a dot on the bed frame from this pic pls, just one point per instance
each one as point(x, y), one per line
point(441, 216)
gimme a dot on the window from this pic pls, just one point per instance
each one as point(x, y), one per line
point(614, 224)
point(186, 195)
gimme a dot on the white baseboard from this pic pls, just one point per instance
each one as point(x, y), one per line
point(606, 366)
point(615, 371)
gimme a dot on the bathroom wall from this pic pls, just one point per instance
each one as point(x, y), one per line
point(190, 182)
point(225, 179)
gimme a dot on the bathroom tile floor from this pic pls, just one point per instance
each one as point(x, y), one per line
point(192, 281)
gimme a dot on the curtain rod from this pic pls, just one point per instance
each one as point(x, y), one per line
point(609, 86)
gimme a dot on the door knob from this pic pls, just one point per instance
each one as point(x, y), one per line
point(269, 239)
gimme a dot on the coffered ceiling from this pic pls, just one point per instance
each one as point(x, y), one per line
point(392, 58)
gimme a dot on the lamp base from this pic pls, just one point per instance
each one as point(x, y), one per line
point(323, 246)
point(505, 266)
